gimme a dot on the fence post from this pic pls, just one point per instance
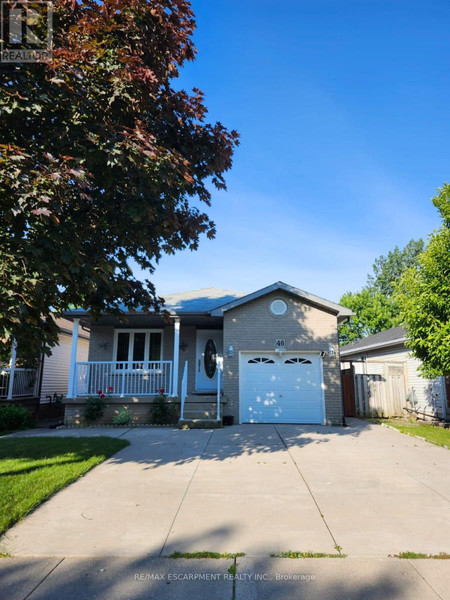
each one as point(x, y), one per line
point(122, 395)
point(12, 368)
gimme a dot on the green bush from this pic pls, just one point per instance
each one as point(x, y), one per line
point(94, 408)
point(15, 416)
point(162, 412)
point(122, 418)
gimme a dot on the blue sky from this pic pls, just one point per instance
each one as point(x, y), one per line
point(343, 111)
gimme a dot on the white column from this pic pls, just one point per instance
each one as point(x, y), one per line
point(12, 366)
point(73, 359)
point(176, 356)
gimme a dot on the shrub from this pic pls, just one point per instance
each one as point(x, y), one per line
point(94, 408)
point(15, 416)
point(122, 418)
point(162, 412)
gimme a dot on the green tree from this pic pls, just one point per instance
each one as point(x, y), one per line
point(424, 297)
point(374, 312)
point(101, 159)
point(375, 306)
point(387, 270)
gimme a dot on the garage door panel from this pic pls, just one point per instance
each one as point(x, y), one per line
point(276, 391)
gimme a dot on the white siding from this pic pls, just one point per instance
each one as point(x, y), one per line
point(55, 375)
point(428, 393)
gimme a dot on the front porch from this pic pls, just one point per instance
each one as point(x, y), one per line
point(144, 363)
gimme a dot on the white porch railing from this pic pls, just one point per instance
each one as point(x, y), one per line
point(183, 389)
point(219, 384)
point(121, 379)
point(25, 382)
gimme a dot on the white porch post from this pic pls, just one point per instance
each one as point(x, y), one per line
point(12, 367)
point(176, 356)
point(73, 359)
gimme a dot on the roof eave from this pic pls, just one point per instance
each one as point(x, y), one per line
point(351, 351)
point(172, 313)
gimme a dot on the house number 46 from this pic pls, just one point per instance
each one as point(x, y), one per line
point(280, 343)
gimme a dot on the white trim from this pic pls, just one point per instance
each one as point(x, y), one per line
point(263, 352)
point(341, 311)
point(131, 344)
point(176, 356)
point(71, 389)
point(360, 349)
point(12, 368)
point(322, 385)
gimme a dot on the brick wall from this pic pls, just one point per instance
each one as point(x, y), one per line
point(101, 343)
point(188, 341)
point(304, 327)
point(138, 408)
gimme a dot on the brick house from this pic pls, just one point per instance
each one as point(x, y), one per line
point(271, 356)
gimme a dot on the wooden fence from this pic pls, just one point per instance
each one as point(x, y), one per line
point(382, 393)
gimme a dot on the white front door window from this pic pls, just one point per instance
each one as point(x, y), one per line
point(209, 348)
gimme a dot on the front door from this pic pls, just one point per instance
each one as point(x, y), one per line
point(209, 347)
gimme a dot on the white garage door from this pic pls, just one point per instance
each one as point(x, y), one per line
point(283, 388)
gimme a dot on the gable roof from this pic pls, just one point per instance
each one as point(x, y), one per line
point(390, 337)
point(341, 311)
point(215, 301)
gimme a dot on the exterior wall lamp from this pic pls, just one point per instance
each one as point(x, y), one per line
point(230, 351)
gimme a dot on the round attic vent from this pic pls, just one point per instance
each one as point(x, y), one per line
point(278, 307)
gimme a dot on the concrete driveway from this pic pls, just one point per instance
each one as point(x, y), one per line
point(257, 489)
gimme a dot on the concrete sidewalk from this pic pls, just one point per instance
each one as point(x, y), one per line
point(258, 489)
point(255, 579)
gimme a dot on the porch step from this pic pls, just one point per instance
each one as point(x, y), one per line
point(200, 415)
point(203, 410)
point(201, 398)
point(199, 424)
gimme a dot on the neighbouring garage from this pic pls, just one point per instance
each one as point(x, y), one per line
point(281, 387)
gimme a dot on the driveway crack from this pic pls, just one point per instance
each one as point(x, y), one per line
point(43, 579)
point(185, 492)
point(322, 516)
point(411, 562)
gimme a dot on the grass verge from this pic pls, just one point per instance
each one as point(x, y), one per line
point(414, 555)
point(431, 433)
point(206, 554)
point(33, 469)
point(307, 554)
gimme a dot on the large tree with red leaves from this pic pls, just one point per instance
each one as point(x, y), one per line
point(100, 159)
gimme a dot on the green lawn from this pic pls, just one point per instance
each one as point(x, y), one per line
point(32, 469)
point(435, 435)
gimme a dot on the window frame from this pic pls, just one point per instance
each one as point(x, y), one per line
point(260, 360)
point(132, 332)
point(297, 360)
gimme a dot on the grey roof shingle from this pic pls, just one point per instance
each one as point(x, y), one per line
point(200, 301)
point(215, 301)
point(396, 334)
